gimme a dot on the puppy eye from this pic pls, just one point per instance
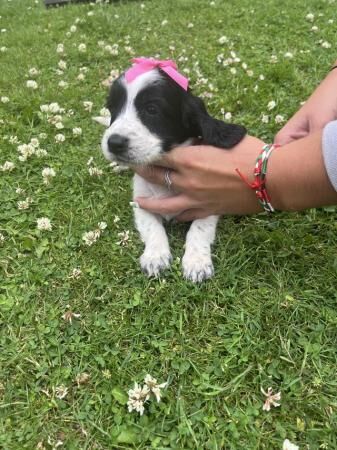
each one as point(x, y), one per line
point(150, 108)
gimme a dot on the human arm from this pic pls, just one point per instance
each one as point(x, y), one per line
point(207, 182)
point(318, 110)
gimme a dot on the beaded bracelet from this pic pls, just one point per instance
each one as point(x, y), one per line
point(259, 183)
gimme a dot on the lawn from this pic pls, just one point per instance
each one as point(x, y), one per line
point(80, 324)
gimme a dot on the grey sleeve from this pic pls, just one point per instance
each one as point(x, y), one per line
point(329, 144)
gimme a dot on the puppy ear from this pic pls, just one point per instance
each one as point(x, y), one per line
point(212, 131)
point(105, 121)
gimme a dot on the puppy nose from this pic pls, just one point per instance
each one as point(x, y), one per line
point(117, 144)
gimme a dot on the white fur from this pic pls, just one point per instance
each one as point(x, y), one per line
point(145, 148)
point(197, 260)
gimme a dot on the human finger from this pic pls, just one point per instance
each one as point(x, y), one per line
point(169, 205)
point(158, 175)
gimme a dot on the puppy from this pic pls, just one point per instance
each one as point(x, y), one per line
point(150, 116)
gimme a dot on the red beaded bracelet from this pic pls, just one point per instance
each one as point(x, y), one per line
point(259, 183)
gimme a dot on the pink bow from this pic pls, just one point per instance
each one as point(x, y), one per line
point(142, 65)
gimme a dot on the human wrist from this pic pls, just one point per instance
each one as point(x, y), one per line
point(297, 178)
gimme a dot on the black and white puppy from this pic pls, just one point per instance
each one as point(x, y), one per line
point(150, 116)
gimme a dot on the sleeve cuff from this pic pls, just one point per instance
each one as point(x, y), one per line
point(329, 144)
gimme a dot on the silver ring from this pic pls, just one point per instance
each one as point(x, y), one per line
point(167, 179)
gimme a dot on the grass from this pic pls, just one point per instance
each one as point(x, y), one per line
point(267, 318)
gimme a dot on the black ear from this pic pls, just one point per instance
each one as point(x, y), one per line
point(212, 131)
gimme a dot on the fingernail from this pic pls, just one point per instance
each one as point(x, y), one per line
point(134, 204)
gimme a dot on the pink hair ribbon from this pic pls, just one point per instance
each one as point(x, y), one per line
point(142, 65)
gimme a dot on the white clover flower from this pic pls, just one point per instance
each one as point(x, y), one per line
point(137, 397)
point(61, 392)
point(271, 399)
point(3, 49)
point(44, 224)
point(59, 125)
point(31, 84)
point(44, 108)
point(326, 44)
point(60, 48)
point(95, 171)
point(39, 152)
point(55, 119)
point(261, 77)
point(33, 72)
point(77, 131)
point(279, 118)
point(62, 64)
point(288, 55)
point(102, 225)
point(76, 273)
point(25, 204)
point(54, 108)
point(233, 70)
point(314, 28)
point(82, 48)
point(271, 105)
point(265, 118)
point(250, 73)
point(104, 112)
point(154, 387)
point(48, 173)
point(164, 22)
point(2, 238)
point(310, 17)
point(190, 25)
point(91, 237)
point(60, 138)
point(124, 238)
point(88, 106)
point(80, 77)
point(4, 99)
point(90, 13)
point(228, 116)
point(273, 59)
point(116, 219)
point(35, 142)
point(19, 191)
point(73, 28)
point(8, 166)
point(63, 84)
point(287, 445)
point(26, 150)
point(223, 40)
point(244, 66)
point(13, 140)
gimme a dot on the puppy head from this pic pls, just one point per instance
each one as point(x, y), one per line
point(153, 114)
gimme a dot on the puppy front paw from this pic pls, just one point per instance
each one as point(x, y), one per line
point(155, 261)
point(197, 268)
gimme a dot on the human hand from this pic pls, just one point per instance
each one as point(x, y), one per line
point(319, 109)
point(205, 180)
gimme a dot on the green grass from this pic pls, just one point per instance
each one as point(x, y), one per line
point(267, 318)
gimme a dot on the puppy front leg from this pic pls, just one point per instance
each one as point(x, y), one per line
point(197, 260)
point(157, 255)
